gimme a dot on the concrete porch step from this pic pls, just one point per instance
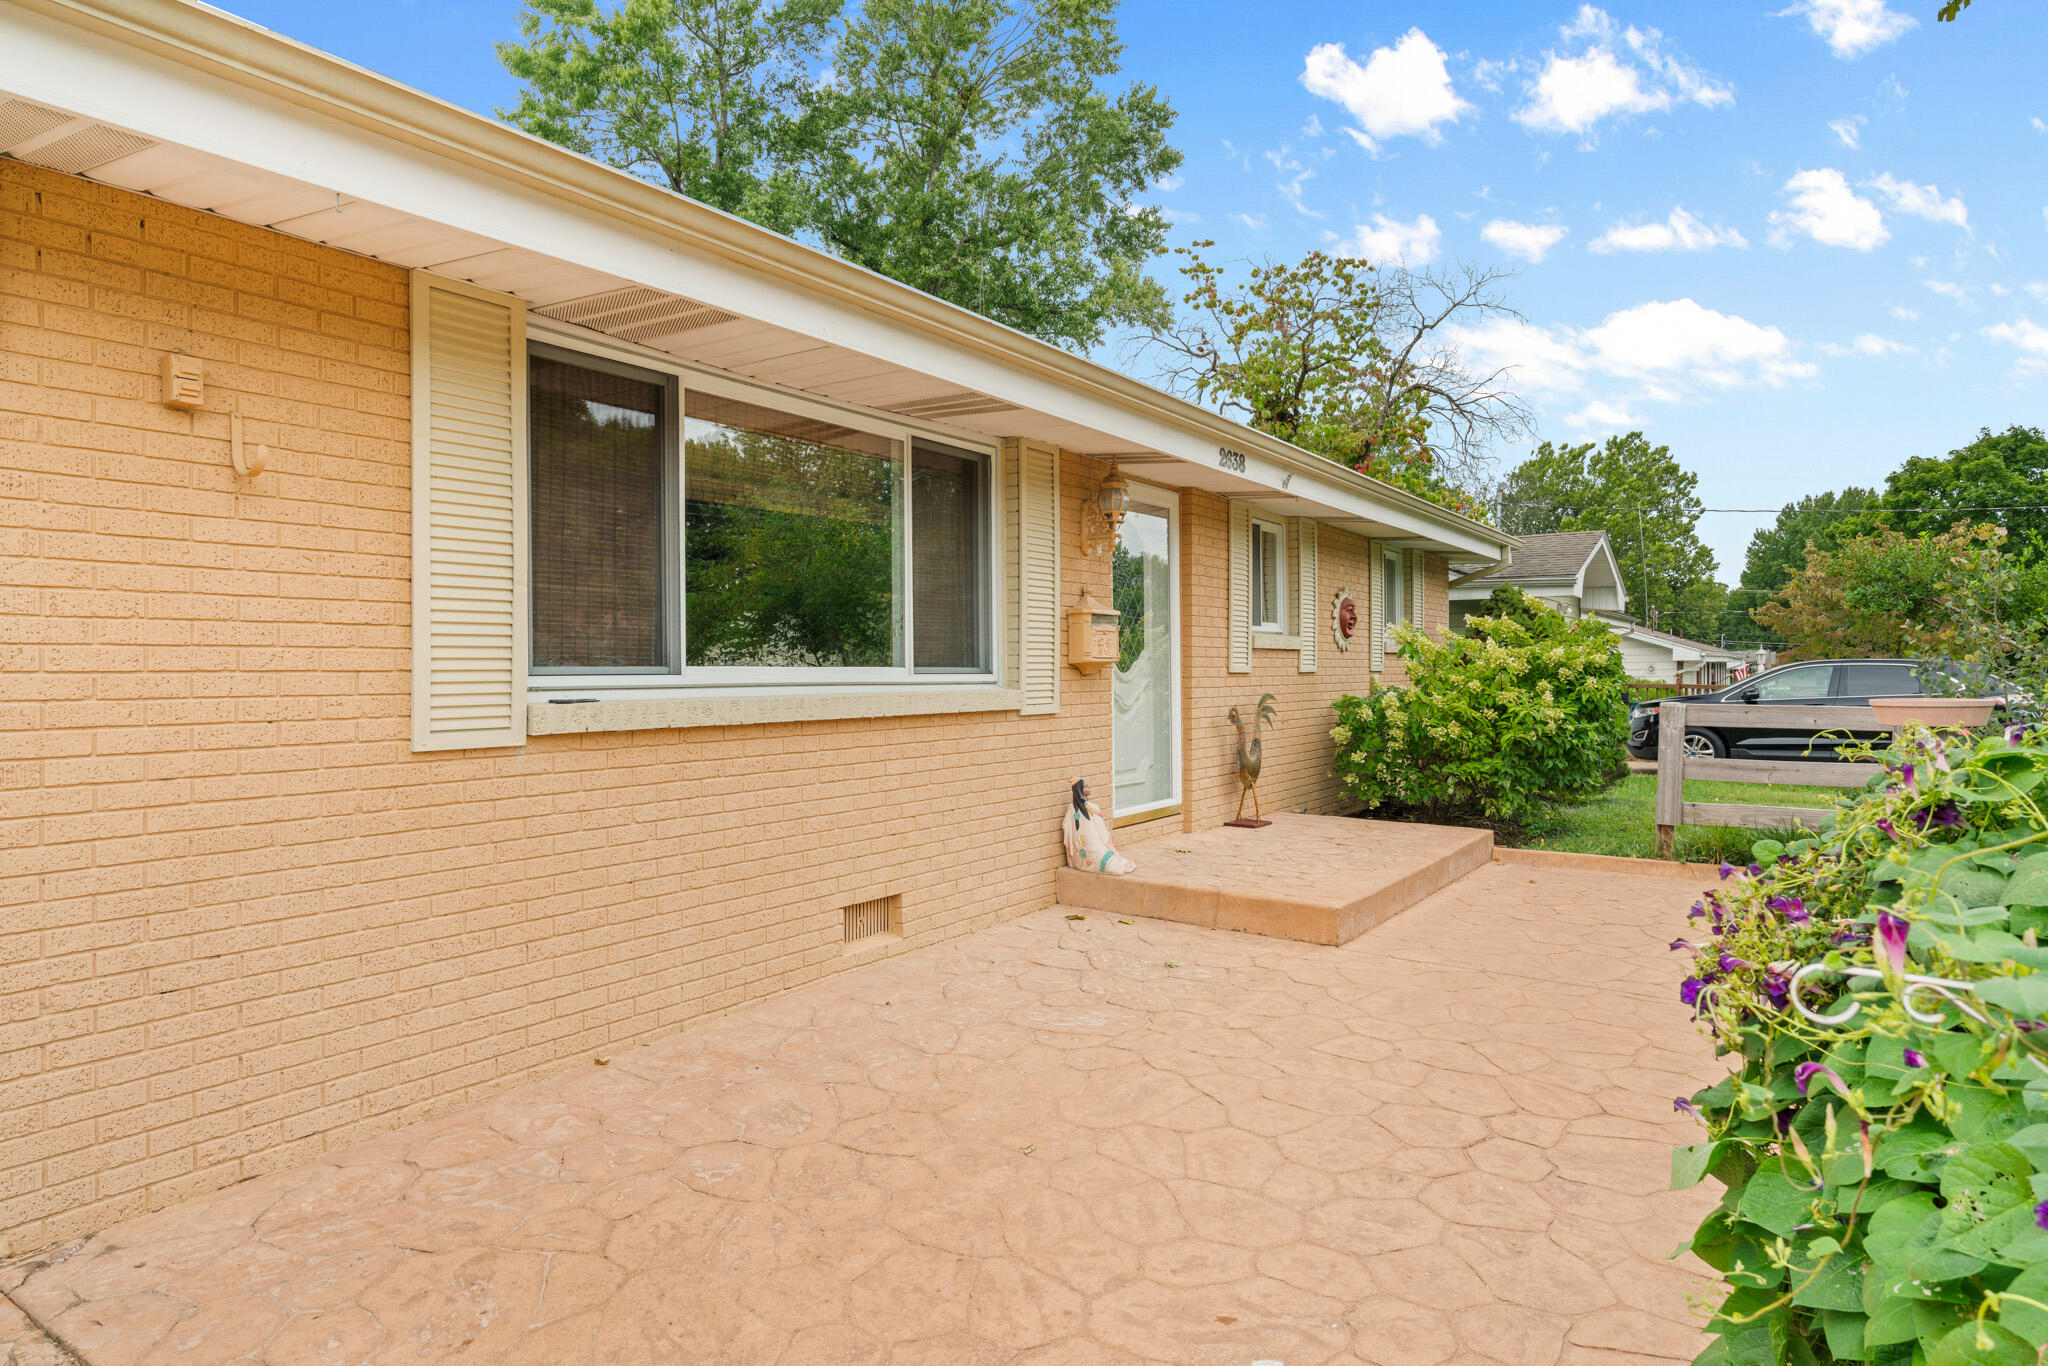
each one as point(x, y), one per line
point(1320, 879)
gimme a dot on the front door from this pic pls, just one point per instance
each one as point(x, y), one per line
point(1145, 693)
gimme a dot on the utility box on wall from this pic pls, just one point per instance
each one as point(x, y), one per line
point(1092, 637)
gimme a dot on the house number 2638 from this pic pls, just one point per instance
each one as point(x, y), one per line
point(1231, 460)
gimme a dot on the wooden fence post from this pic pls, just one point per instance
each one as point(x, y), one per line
point(1670, 775)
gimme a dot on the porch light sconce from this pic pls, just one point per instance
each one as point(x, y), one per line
point(1106, 515)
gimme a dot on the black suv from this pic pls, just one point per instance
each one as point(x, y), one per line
point(1818, 682)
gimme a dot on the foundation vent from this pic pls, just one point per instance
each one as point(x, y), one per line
point(873, 919)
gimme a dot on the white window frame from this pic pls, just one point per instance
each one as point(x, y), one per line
point(685, 680)
point(1260, 526)
point(1394, 589)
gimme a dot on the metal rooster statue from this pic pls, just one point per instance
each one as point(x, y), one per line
point(1248, 758)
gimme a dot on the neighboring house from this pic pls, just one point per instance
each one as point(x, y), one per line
point(1660, 657)
point(1577, 573)
point(634, 608)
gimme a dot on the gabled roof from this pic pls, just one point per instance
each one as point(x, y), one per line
point(1548, 556)
point(1622, 624)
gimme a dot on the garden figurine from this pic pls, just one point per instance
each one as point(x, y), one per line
point(1089, 846)
point(1249, 756)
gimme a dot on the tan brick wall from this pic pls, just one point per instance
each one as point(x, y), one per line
point(240, 923)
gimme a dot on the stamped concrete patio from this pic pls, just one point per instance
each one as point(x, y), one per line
point(1061, 1140)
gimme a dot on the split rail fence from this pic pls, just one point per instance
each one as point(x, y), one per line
point(1674, 766)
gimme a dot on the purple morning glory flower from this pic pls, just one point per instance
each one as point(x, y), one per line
point(2029, 1026)
point(1906, 778)
point(1807, 1071)
point(1685, 1107)
point(1891, 938)
point(1791, 907)
point(2015, 734)
point(2041, 1215)
point(1696, 912)
point(1783, 1119)
point(1689, 990)
point(1756, 870)
point(1729, 962)
point(1678, 944)
point(1915, 1058)
point(1778, 987)
point(1727, 870)
point(1891, 832)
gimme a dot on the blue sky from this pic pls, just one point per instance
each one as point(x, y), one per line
point(1795, 244)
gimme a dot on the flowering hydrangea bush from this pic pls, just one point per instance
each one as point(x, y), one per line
point(1885, 1156)
point(1527, 710)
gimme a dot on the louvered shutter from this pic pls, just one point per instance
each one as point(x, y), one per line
point(1308, 624)
point(1377, 605)
point(1240, 588)
point(468, 516)
point(1416, 560)
point(1038, 576)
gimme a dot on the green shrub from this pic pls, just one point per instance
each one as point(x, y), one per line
point(1886, 1176)
point(1528, 709)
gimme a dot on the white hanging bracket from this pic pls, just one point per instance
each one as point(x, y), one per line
point(248, 462)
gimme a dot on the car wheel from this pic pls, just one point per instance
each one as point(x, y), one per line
point(1702, 744)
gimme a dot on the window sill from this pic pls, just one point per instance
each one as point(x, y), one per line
point(1273, 640)
point(741, 709)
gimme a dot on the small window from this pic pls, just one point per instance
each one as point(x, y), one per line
point(1796, 685)
point(1395, 587)
point(1269, 576)
point(1880, 680)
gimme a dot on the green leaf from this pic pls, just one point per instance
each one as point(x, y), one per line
point(1844, 1333)
point(1916, 1152)
point(1986, 1344)
point(2024, 1319)
point(1892, 1226)
point(1930, 1263)
point(2026, 997)
point(1838, 1284)
point(1690, 1163)
point(2028, 887)
point(1777, 1202)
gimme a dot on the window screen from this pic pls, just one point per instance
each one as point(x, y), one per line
point(790, 539)
point(1269, 594)
point(948, 559)
point(596, 454)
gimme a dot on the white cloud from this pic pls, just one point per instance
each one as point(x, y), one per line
point(1849, 128)
point(1530, 241)
point(1659, 350)
point(2039, 125)
point(1921, 201)
point(2038, 288)
point(1904, 314)
point(1679, 231)
point(1682, 339)
point(1295, 181)
point(1602, 414)
point(1401, 91)
point(2027, 337)
point(1257, 223)
point(1949, 290)
point(1179, 215)
point(1853, 27)
point(1827, 210)
point(1616, 72)
point(1869, 344)
point(1390, 240)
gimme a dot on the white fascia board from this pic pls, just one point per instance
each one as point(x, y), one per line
point(53, 62)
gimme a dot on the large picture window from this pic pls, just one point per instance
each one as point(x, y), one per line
point(723, 535)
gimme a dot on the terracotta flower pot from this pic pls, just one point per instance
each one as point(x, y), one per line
point(1933, 711)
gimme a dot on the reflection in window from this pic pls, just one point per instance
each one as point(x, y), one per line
point(1796, 684)
point(596, 455)
point(789, 539)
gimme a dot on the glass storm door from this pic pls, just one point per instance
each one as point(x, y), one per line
point(1145, 692)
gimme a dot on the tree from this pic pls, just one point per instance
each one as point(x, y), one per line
point(1778, 551)
point(2000, 479)
point(975, 154)
point(711, 98)
point(1890, 594)
point(1645, 501)
point(1349, 360)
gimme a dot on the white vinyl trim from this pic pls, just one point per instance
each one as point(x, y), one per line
point(1309, 611)
point(469, 532)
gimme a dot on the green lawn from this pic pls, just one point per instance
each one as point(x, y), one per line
point(1622, 820)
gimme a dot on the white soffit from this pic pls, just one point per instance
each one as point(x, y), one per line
point(37, 131)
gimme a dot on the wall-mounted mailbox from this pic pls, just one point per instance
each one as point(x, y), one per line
point(1092, 637)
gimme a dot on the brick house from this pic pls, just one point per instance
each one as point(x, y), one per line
point(631, 607)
